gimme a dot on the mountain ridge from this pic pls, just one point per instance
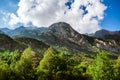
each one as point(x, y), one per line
point(30, 32)
point(62, 34)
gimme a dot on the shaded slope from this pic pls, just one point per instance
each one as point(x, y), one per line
point(33, 43)
point(7, 43)
point(105, 34)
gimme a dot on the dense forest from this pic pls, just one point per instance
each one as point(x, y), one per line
point(57, 65)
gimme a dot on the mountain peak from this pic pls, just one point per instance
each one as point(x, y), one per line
point(61, 28)
point(60, 25)
point(21, 27)
point(101, 33)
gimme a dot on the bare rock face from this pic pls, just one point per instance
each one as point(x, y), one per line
point(108, 40)
point(111, 46)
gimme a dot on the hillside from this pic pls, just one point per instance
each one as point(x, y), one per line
point(7, 43)
point(33, 43)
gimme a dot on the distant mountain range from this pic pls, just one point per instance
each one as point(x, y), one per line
point(30, 32)
point(62, 34)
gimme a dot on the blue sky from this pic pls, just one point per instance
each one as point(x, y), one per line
point(111, 20)
point(112, 15)
point(6, 7)
point(9, 5)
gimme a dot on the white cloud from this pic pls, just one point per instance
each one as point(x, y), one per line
point(4, 18)
point(46, 12)
point(14, 20)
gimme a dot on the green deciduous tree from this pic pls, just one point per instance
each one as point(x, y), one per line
point(102, 68)
point(24, 67)
point(51, 65)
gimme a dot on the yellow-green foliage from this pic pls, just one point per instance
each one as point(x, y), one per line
point(4, 71)
point(117, 68)
point(24, 66)
point(102, 68)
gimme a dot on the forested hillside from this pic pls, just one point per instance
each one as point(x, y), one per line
point(58, 65)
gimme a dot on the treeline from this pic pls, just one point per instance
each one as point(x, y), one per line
point(57, 65)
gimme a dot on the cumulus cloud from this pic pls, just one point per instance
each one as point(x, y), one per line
point(83, 15)
point(14, 20)
point(4, 18)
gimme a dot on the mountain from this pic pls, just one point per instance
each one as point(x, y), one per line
point(60, 30)
point(105, 34)
point(1, 32)
point(101, 33)
point(31, 32)
point(108, 35)
point(5, 30)
point(62, 34)
point(7, 43)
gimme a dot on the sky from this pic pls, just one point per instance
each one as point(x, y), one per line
point(85, 16)
point(111, 20)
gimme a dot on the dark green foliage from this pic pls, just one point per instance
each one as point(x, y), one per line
point(57, 65)
point(7, 63)
point(51, 65)
point(54, 66)
point(10, 57)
